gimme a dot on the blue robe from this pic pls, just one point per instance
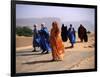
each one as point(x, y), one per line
point(44, 39)
point(71, 35)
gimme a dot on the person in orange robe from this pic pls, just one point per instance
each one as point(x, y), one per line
point(56, 43)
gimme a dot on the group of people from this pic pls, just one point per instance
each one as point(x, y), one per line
point(53, 41)
point(70, 33)
point(41, 39)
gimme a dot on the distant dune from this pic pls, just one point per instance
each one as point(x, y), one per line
point(31, 21)
point(48, 22)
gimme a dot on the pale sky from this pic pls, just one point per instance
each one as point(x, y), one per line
point(64, 13)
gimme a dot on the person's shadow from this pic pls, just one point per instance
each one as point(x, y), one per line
point(37, 62)
point(28, 53)
point(71, 46)
point(68, 47)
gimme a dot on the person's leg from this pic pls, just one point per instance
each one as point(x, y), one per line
point(72, 45)
point(72, 40)
point(34, 49)
point(47, 52)
point(85, 38)
point(48, 48)
point(43, 51)
point(43, 48)
point(82, 39)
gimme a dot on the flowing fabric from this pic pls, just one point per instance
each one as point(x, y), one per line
point(82, 33)
point(72, 36)
point(44, 40)
point(64, 33)
point(57, 46)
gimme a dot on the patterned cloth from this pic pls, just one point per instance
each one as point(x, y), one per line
point(57, 45)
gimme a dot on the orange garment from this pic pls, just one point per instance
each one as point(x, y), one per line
point(56, 45)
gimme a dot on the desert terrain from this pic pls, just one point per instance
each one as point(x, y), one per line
point(82, 56)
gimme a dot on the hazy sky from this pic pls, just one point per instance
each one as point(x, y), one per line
point(64, 13)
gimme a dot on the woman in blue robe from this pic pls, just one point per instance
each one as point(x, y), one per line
point(36, 39)
point(44, 39)
point(71, 35)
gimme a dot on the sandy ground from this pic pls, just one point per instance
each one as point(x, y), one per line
point(80, 57)
point(22, 41)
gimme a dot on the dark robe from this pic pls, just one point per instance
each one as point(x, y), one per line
point(36, 39)
point(82, 34)
point(64, 33)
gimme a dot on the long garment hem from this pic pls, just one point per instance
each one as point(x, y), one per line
point(57, 48)
point(72, 37)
